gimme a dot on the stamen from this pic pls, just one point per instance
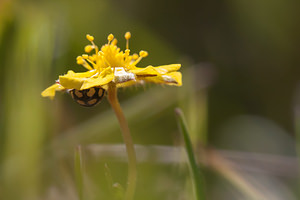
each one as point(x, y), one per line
point(129, 58)
point(85, 56)
point(110, 38)
point(95, 56)
point(114, 42)
point(92, 58)
point(143, 54)
point(90, 38)
point(100, 53)
point(96, 48)
point(127, 52)
point(119, 56)
point(88, 48)
point(135, 56)
point(94, 64)
point(127, 37)
point(81, 61)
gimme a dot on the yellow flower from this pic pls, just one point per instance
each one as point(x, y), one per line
point(110, 65)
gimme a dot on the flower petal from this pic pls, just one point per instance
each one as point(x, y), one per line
point(147, 71)
point(74, 80)
point(129, 83)
point(168, 68)
point(50, 91)
point(106, 76)
point(150, 70)
point(172, 78)
point(81, 74)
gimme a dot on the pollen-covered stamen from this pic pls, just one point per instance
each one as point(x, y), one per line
point(90, 59)
point(119, 56)
point(89, 37)
point(135, 56)
point(127, 37)
point(81, 61)
point(127, 53)
point(96, 48)
point(101, 54)
point(114, 42)
point(88, 48)
point(78, 58)
point(110, 37)
point(143, 54)
point(85, 56)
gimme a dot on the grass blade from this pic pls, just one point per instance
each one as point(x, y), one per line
point(116, 189)
point(78, 167)
point(195, 171)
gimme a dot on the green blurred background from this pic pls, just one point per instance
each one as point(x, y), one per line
point(240, 64)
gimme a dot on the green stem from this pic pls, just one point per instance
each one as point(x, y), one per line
point(132, 171)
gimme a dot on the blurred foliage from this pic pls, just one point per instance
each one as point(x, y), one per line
point(240, 69)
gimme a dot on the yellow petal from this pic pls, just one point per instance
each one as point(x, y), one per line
point(50, 91)
point(172, 78)
point(74, 80)
point(150, 70)
point(168, 68)
point(81, 74)
point(129, 83)
point(104, 78)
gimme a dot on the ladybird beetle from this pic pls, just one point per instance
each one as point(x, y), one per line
point(88, 97)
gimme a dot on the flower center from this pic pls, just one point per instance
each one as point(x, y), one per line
point(110, 55)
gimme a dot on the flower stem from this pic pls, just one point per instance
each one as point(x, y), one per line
point(132, 172)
